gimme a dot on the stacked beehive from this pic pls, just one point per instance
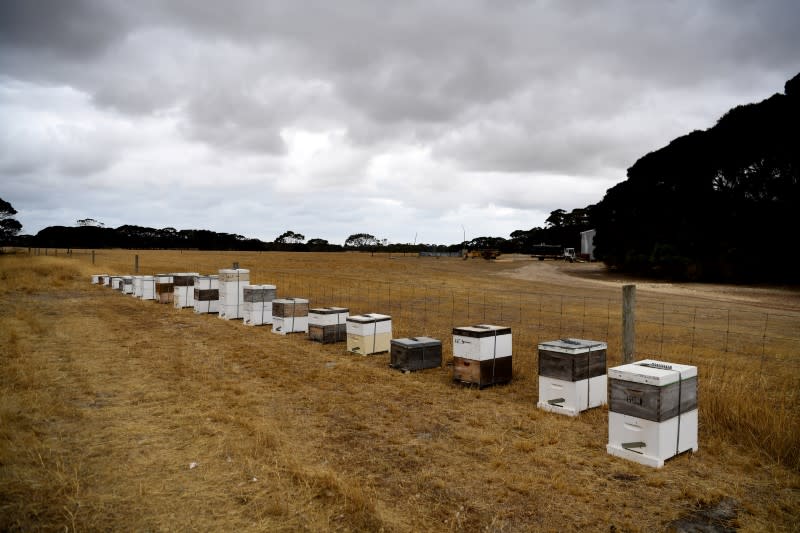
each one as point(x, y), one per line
point(652, 413)
point(127, 284)
point(231, 291)
point(416, 353)
point(206, 294)
point(257, 307)
point(148, 288)
point(137, 286)
point(572, 375)
point(183, 289)
point(482, 354)
point(289, 315)
point(164, 288)
point(327, 324)
point(369, 333)
point(116, 283)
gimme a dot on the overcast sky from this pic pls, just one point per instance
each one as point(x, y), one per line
point(328, 118)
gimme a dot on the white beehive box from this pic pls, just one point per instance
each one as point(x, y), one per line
point(148, 288)
point(127, 284)
point(137, 286)
point(289, 315)
point(369, 333)
point(328, 324)
point(652, 411)
point(116, 283)
point(231, 292)
point(98, 278)
point(257, 306)
point(482, 354)
point(206, 294)
point(572, 375)
point(106, 281)
point(183, 289)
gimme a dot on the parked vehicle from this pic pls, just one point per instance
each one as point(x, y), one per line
point(553, 251)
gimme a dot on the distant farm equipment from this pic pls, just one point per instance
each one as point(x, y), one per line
point(485, 254)
point(553, 251)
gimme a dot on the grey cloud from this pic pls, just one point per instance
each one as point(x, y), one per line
point(68, 28)
point(546, 101)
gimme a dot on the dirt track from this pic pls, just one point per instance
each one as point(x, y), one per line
point(595, 275)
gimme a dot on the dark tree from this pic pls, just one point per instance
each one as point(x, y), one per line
point(9, 226)
point(361, 240)
point(717, 204)
point(89, 222)
point(290, 237)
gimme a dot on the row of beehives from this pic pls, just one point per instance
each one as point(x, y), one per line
point(652, 405)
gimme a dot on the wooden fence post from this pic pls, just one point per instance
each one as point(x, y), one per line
point(628, 322)
point(92, 256)
point(136, 264)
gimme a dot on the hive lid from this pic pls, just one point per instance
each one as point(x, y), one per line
point(259, 287)
point(290, 301)
point(572, 346)
point(417, 342)
point(481, 330)
point(368, 318)
point(651, 372)
point(329, 310)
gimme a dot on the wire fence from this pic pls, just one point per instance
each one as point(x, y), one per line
point(729, 339)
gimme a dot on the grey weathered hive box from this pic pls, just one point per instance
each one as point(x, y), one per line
point(415, 353)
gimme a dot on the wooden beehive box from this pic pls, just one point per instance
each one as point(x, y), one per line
point(327, 324)
point(572, 375)
point(654, 393)
point(164, 288)
point(652, 411)
point(572, 359)
point(289, 315)
point(415, 353)
point(206, 294)
point(369, 333)
point(482, 355)
point(183, 289)
point(257, 307)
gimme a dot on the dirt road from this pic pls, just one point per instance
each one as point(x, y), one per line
point(595, 275)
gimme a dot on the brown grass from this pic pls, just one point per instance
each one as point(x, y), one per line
point(105, 401)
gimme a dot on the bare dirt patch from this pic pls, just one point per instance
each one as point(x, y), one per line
point(596, 275)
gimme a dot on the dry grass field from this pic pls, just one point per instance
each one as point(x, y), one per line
point(122, 414)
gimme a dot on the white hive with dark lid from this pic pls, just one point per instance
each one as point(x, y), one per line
point(572, 375)
point(328, 324)
point(369, 333)
point(482, 354)
point(183, 289)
